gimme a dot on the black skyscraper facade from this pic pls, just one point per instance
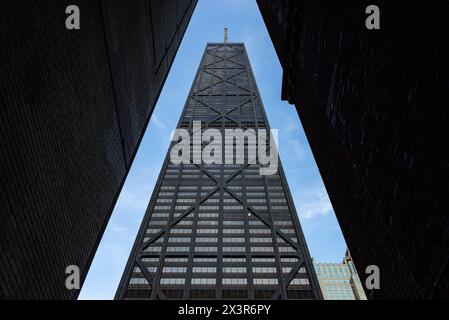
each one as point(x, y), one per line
point(220, 231)
point(74, 107)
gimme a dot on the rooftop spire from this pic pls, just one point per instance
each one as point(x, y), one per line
point(226, 34)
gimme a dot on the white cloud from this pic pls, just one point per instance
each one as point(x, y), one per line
point(138, 188)
point(117, 252)
point(296, 149)
point(132, 201)
point(158, 122)
point(117, 228)
point(292, 127)
point(313, 203)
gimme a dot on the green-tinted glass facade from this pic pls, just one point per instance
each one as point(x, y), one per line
point(340, 281)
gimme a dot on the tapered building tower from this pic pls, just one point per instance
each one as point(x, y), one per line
point(220, 231)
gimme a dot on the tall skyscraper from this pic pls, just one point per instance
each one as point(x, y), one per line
point(374, 107)
point(220, 231)
point(74, 106)
point(340, 281)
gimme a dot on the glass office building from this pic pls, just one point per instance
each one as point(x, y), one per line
point(220, 231)
point(340, 281)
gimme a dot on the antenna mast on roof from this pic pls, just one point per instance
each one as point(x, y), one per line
point(226, 34)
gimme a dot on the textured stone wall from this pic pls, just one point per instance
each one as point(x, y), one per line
point(374, 106)
point(74, 106)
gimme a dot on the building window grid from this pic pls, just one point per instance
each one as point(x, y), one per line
point(251, 229)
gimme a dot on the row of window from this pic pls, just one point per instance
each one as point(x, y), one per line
point(188, 221)
point(273, 190)
point(225, 249)
point(225, 260)
point(225, 231)
point(176, 231)
point(208, 207)
point(265, 270)
point(211, 281)
point(232, 187)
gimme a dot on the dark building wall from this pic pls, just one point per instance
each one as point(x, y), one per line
point(374, 106)
point(74, 106)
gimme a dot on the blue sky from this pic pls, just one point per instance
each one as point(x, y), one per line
point(321, 229)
